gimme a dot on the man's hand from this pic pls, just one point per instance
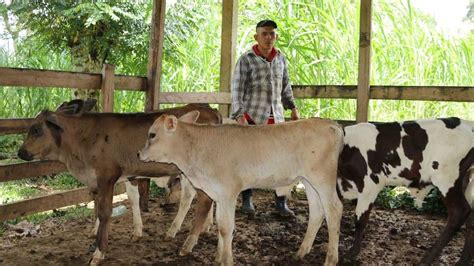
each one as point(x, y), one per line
point(294, 114)
point(241, 120)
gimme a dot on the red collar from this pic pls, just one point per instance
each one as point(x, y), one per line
point(270, 57)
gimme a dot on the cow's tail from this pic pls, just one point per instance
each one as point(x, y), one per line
point(470, 175)
point(470, 189)
point(469, 178)
point(340, 135)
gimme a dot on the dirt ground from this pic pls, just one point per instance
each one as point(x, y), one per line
point(392, 237)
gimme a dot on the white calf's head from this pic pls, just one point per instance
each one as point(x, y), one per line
point(164, 140)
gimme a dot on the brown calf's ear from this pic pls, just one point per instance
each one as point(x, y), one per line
point(171, 122)
point(52, 122)
point(76, 107)
point(190, 117)
point(89, 104)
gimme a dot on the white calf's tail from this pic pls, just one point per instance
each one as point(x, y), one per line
point(470, 188)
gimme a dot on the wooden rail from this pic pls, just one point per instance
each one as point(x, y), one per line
point(50, 78)
point(18, 171)
point(49, 202)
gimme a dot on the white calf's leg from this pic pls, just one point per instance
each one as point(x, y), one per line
point(316, 214)
point(225, 216)
point(284, 191)
point(134, 198)
point(96, 227)
point(187, 194)
point(333, 211)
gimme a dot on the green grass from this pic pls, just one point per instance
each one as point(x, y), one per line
point(27, 188)
point(76, 212)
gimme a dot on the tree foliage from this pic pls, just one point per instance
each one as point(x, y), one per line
point(100, 31)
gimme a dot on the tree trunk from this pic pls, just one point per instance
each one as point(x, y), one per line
point(82, 62)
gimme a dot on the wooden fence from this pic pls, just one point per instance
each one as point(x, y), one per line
point(108, 82)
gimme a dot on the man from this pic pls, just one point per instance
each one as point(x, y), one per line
point(260, 90)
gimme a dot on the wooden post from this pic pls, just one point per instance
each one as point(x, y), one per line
point(228, 43)
point(153, 78)
point(363, 81)
point(155, 55)
point(108, 83)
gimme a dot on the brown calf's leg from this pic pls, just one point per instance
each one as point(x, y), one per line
point(104, 210)
point(143, 189)
point(203, 208)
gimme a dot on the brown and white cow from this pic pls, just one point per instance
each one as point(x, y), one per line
point(242, 157)
point(99, 149)
point(416, 154)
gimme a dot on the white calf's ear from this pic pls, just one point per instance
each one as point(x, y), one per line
point(190, 117)
point(171, 122)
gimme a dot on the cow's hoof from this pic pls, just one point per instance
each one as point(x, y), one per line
point(170, 235)
point(302, 252)
point(135, 238)
point(97, 258)
point(95, 261)
point(188, 245)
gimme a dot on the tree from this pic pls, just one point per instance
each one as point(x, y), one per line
point(92, 32)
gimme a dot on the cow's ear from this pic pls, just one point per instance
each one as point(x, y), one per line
point(190, 117)
point(171, 122)
point(73, 107)
point(89, 104)
point(76, 107)
point(52, 122)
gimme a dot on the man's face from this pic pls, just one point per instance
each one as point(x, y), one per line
point(266, 37)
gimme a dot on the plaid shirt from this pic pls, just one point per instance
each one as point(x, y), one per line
point(260, 87)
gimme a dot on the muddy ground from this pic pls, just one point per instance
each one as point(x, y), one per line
point(392, 237)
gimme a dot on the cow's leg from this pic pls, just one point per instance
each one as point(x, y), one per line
point(104, 210)
point(210, 218)
point(96, 225)
point(361, 221)
point(467, 254)
point(187, 194)
point(134, 198)
point(144, 190)
point(174, 187)
point(365, 201)
point(458, 211)
point(316, 214)
point(203, 208)
point(225, 216)
point(333, 212)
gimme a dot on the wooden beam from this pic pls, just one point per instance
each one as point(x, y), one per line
point(195, 97)
point(49, 202)
point(324, 91)
point(20, 77)
point(230, 10)
point(155, 53)
point(107, 88)
point(130, 83)
point(14, 126)
point(17, 171)
point(48, 78)
point(423, 93)
point(363, 81)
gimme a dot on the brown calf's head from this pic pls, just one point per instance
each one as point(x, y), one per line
point(162, 140)
point(43, 139)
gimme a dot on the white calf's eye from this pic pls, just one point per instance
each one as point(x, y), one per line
point(152, 135)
